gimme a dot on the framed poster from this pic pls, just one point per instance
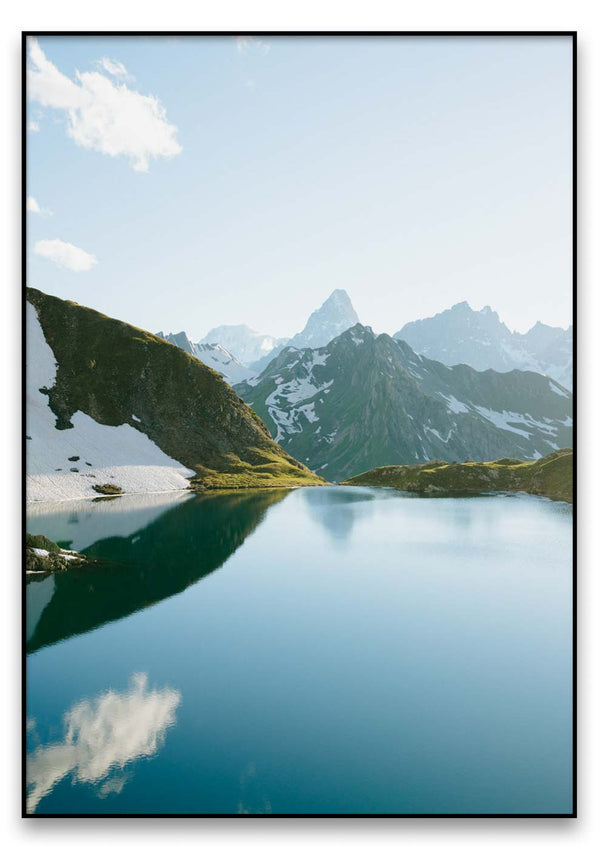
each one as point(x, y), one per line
point(298, 431)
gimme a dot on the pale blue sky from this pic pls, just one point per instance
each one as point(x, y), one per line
point(413, 172)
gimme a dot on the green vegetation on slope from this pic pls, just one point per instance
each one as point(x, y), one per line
point(113, 371)
point(551, 476)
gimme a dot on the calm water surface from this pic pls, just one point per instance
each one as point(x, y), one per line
point(335, 650)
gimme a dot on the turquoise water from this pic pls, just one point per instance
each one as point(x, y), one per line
point(334, 650)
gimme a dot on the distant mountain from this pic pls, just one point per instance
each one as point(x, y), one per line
point(364, 401)
point(552, 347)
point(211, 354)
point(245, 344)
point(110, 404)
point(479, 339)
point(335, 315)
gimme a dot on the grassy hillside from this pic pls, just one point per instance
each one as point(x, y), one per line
point(119, 374)
point(551, 476)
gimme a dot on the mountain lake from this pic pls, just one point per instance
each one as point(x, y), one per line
point(316, 651)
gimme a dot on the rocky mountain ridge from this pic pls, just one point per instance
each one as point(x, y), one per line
point(365, 400)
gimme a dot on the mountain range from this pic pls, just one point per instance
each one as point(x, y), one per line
point(479, 339)
point(457, 335)
point(112, 407)
point(229, 347)
point(365, 400)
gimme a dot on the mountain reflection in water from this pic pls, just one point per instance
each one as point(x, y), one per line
point(179, 547)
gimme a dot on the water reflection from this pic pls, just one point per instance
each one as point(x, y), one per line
point(101, 737)
point(176, 549)
point(337, 509)
point(40, 589)
point(79, 524)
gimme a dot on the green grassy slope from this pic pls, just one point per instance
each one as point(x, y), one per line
point(551, 476)
point(113, 371)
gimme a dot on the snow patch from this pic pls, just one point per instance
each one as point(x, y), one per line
point(519, 423)
point(558, 389)
point(437, 434)
point(309, 411)
point(454, 405)
point(119, 455)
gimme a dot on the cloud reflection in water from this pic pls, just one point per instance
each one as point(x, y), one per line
point(101, 734)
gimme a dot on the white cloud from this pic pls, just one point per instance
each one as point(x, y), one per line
point(114, 67)
point(33, 206)
point(102, 736)
point(244, 43)
point(33, 127)
point(103, 115)
point(65, 255)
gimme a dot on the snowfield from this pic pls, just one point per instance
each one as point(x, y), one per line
point(117, 455)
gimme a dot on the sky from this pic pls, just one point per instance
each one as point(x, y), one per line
point(179, 183)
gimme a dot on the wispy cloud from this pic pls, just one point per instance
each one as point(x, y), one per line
point(65, 255)
point(103, 115)
point(33, 206)
point(33, 127)
point(114, 67)
point(101, 737)
point(246, 43)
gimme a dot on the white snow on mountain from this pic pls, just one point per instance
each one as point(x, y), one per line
point(520, 423)
point(221, 360)
point(213, 355)
point(245, 344)
point(105, 455)
point(454, 405)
